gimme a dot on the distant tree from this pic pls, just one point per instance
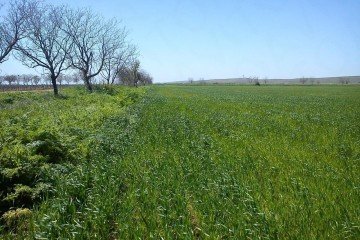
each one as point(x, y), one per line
point(1, 79)
point(145, 78)
point(134, 76)
point(190, 80)
point(265, 80)
point(76, 77)
point(312, 80)
point(134, 72)
point(124, 76)
point(10, 79)
point(67, 79)
point(344, 80)
point(122, 57)
point(26, 79)
point(12, 25)
point(18, 79)
point(303, 80)
point(60, 78)
point(35, 79)
point(46, 44)
point(254, 80)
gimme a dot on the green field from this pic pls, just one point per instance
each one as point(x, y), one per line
point(184, 162)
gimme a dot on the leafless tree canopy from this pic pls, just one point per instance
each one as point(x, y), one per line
point(12, 25)
point(57, 38)
point(98, 45)
point(119, 60)
point(303, 80)
point(46, 44)
point(10, 79)
point(133, 75)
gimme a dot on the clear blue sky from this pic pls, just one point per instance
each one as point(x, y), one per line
point(179, 39)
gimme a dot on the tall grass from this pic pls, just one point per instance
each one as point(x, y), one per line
point(217, 162)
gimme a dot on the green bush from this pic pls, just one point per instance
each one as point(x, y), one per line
point(47, 142)
point(23, 167)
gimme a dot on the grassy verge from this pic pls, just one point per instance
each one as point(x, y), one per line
point(49, 146)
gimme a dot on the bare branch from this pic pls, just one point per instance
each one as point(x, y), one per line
point(12, 26)
point(46, 45)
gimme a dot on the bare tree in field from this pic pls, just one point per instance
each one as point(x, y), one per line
point(76, 77)
point(118, 61)
point(303, 80)
point(60, 78)
point(46, 44)
point(134, 76)
point(67, 79)
point(35, 79)
point(134, 72)
point(344, 80)
point(145, 78)
point(26, 78)
point(266, 80)
point(12, 26)
point(10, 79)
point(93, 40)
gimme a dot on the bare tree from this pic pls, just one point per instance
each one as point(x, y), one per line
point(10, 79)
point(35, 79)
point(344, 80)
point(46, 45)
point(12, 26)
point(122, 57)
point(266, 80)
point(134, 71)
point(67, 79)
point(93, 40)
point(134, 75)
point(60, 78)
point(76, 77)
point(124, 76)
point(145, 78)
point(26, 78)
point(256, 81)
point(18, 80)
point(303, 80)
point(191, 80)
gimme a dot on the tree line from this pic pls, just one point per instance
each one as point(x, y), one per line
point(58, 39)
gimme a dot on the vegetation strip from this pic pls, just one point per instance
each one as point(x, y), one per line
point(53, 148)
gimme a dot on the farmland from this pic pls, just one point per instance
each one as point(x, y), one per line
point(184, 162)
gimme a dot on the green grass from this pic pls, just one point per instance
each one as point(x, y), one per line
point(196, 162)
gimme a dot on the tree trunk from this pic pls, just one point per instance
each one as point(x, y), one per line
point(53, 81)
point(88, 84)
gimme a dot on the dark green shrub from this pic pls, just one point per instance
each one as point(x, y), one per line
point(8, 100)
point(48, 146)
point(24, 169)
